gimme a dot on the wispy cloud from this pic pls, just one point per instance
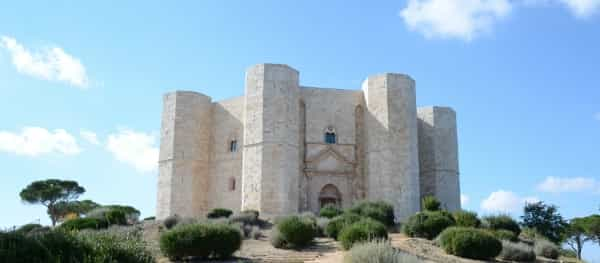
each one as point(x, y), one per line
point(134, 148)
point(462, 19)
point(35, 141)
point(464, 199)
point(49, 63)
point(582, 8)
point(553, 184)
point(502, 201)
point(89, 136)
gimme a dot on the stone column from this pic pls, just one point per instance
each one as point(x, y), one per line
point(438, 155)
point(183, 180)
point(271, 168)
point(391, 142)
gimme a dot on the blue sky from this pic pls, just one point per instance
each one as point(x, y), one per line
point(81, 86)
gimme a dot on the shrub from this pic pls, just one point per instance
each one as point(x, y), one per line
point(380, 211)
point(330, 211)
point(430, 203)
point(378, 251)
point(296, 231)
point(219, 212)
point(245, 218)
point(466, 219)
point(363, 230)
point(276, 239)
point(16, 247)
point(84, 223)
point(545, 248)
point(470, 243)
point(24, 229)
point(63, 246)
point(171, 221)
point(503, 234)
point(502, 222)
point(336, 224)
point(255, 213)
point(201, 240)
point(127, 247)
point(427, 224)
point(516, 252)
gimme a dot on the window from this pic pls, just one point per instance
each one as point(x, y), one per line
point(330, 137)
point(231, 184)
point(233, 146)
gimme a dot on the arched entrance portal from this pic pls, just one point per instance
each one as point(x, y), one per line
point(330, 195)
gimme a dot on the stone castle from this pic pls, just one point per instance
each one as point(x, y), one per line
point(284, 148)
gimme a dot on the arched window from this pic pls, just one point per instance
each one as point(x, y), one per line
point(233, 146)
point(231, 184)
point(330, 136)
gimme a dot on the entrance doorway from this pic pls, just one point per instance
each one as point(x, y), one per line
point(330, 195)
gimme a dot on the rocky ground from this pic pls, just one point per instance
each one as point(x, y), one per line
point(324, 250)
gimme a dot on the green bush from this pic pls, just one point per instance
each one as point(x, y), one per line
point(63, 246)
point(24, 229)
point(335, 225)
point(427, 224)
point(545, 248)
point(246, 218)
point(116, 217)
point(219, 212)
point(200, 240)
point(296, 231)
point(505, 222)
point(363, 230)
point(503, 234)
point(276, 239)
point(520, 252)
point(171, 221)
point(255, 213)
point(330, 211)
point(378, 251)
point(84, 223)
point(380, 211)
point(466, 219)
point(16, 247)
point(122, 247)
point(470, 243)
point(430, 203)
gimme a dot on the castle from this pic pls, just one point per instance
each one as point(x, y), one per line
point(284, 148)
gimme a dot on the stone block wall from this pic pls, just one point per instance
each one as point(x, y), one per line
point(438, 155)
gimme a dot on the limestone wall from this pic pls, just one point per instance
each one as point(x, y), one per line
point(438, 155)
point(391, 151)
point(226, 166)
point(271, 168)
point(183, 180)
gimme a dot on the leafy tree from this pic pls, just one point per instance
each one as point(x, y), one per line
point(578, 232)
point(545, 219)
point(49, 193)
point(430, 203)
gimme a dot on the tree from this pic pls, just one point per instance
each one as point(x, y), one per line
point(577, 234)
point(545, 219)
point(50, 192)
point(64, 209)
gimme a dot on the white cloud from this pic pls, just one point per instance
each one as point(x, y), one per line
point(564, 184)
point(582, 8)
point(89, 136)
point(464, 199)
point(134, 148)
point(35, 141)
point(505, 202)
point(462, 19)
point(49, 64)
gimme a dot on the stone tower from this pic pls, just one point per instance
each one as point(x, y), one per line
point(184, 155)
point(392, 157)
point(271, 168)
point(438, 155)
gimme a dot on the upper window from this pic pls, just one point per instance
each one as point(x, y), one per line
point(231, 184)
point(233, 146)
point(330, 137)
